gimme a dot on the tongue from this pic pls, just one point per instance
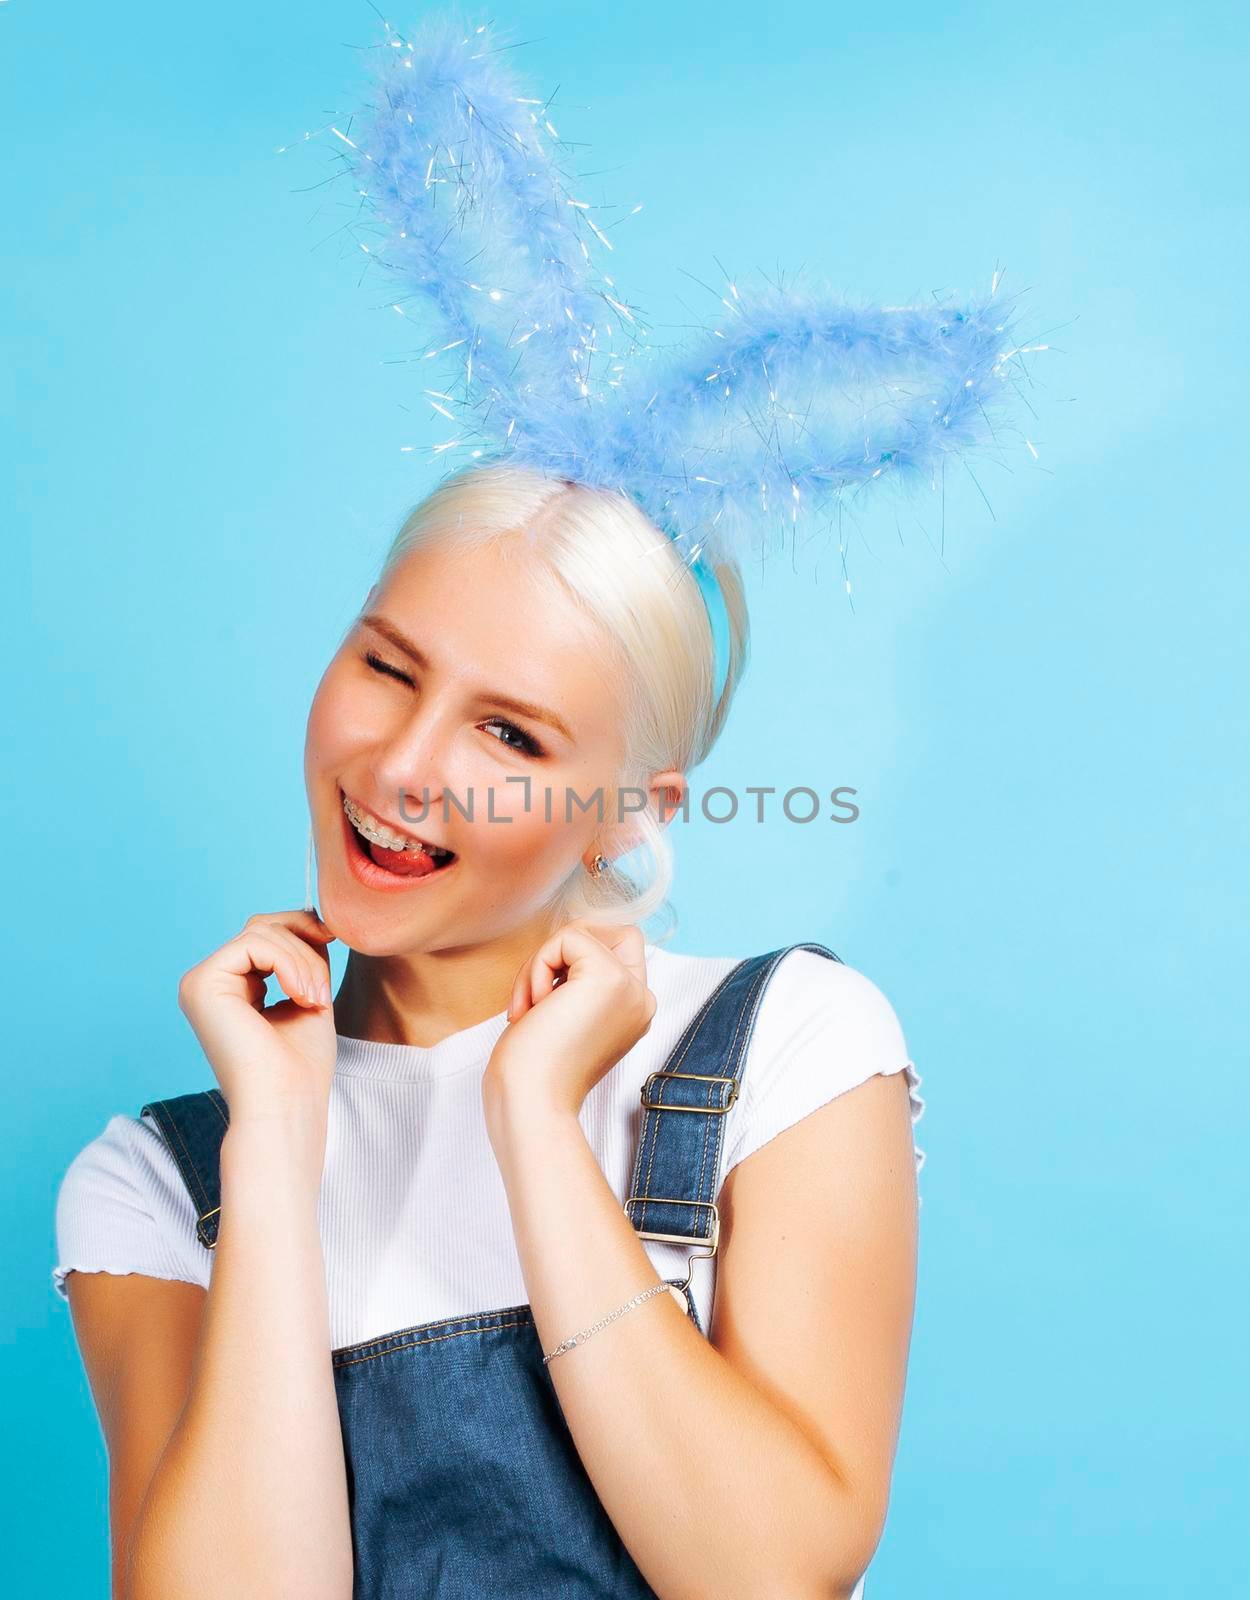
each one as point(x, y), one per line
point(407, 863)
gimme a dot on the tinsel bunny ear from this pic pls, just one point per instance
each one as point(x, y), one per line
point(465, 203)
point(783, 414)
point(801, 400)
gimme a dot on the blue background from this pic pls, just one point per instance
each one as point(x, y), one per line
point(210, 432)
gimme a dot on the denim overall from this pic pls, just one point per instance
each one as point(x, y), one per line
point(463, 1476)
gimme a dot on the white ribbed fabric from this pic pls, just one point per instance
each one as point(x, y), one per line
point(412, 1210)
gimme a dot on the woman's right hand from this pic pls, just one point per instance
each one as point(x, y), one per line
point(274, 1059)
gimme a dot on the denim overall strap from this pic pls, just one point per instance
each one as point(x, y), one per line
point(677, 1165)
point(193, 1126)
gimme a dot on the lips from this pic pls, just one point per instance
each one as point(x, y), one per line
point(375, 867)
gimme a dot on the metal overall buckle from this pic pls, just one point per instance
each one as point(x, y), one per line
point(691, 1077)
point(712, 1241)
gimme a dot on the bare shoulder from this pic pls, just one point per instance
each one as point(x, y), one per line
point(833, 1194)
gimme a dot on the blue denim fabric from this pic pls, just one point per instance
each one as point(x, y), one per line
point(463, 1475)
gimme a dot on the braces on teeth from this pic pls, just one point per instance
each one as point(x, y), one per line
point(387, 837)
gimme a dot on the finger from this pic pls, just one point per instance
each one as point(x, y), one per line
point(304, 924)
point(521, 999)
point(536, 976)
point(571, 947)
point(579, 940)
point(269, 950)
point(311, 961)
point(315, 957)
point(311, 958)
point(624, 940)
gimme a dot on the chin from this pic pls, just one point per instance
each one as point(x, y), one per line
point(369, 930)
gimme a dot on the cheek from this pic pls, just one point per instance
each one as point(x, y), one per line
point(338, 719)
point(509, 835)
point(319, 736)
point(335, 721)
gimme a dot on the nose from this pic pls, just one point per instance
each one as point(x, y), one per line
point(409, 766)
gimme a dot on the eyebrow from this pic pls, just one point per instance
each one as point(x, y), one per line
point(525, 708)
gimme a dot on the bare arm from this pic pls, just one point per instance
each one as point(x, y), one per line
point(250, 1496)
point(227, 1472)
point(789, 1413)
point(137, 1336)
point(769, 1445)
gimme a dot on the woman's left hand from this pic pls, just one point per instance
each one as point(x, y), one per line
point(563, 1036)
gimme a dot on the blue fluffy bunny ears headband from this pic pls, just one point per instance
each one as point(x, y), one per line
point(779, 416)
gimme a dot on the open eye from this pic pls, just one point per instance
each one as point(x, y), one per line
point(528, 746)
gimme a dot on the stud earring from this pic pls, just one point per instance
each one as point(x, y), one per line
point(599, 866)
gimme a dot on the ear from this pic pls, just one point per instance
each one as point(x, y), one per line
point(667, 797)
point(668, 794)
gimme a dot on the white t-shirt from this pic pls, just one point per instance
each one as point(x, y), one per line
point(412, 1210)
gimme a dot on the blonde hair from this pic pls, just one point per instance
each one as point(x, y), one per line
point(629, 579)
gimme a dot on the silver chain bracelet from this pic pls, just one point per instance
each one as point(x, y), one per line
point(578, 1338)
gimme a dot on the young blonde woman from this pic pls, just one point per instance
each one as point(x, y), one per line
point(539, 1260)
